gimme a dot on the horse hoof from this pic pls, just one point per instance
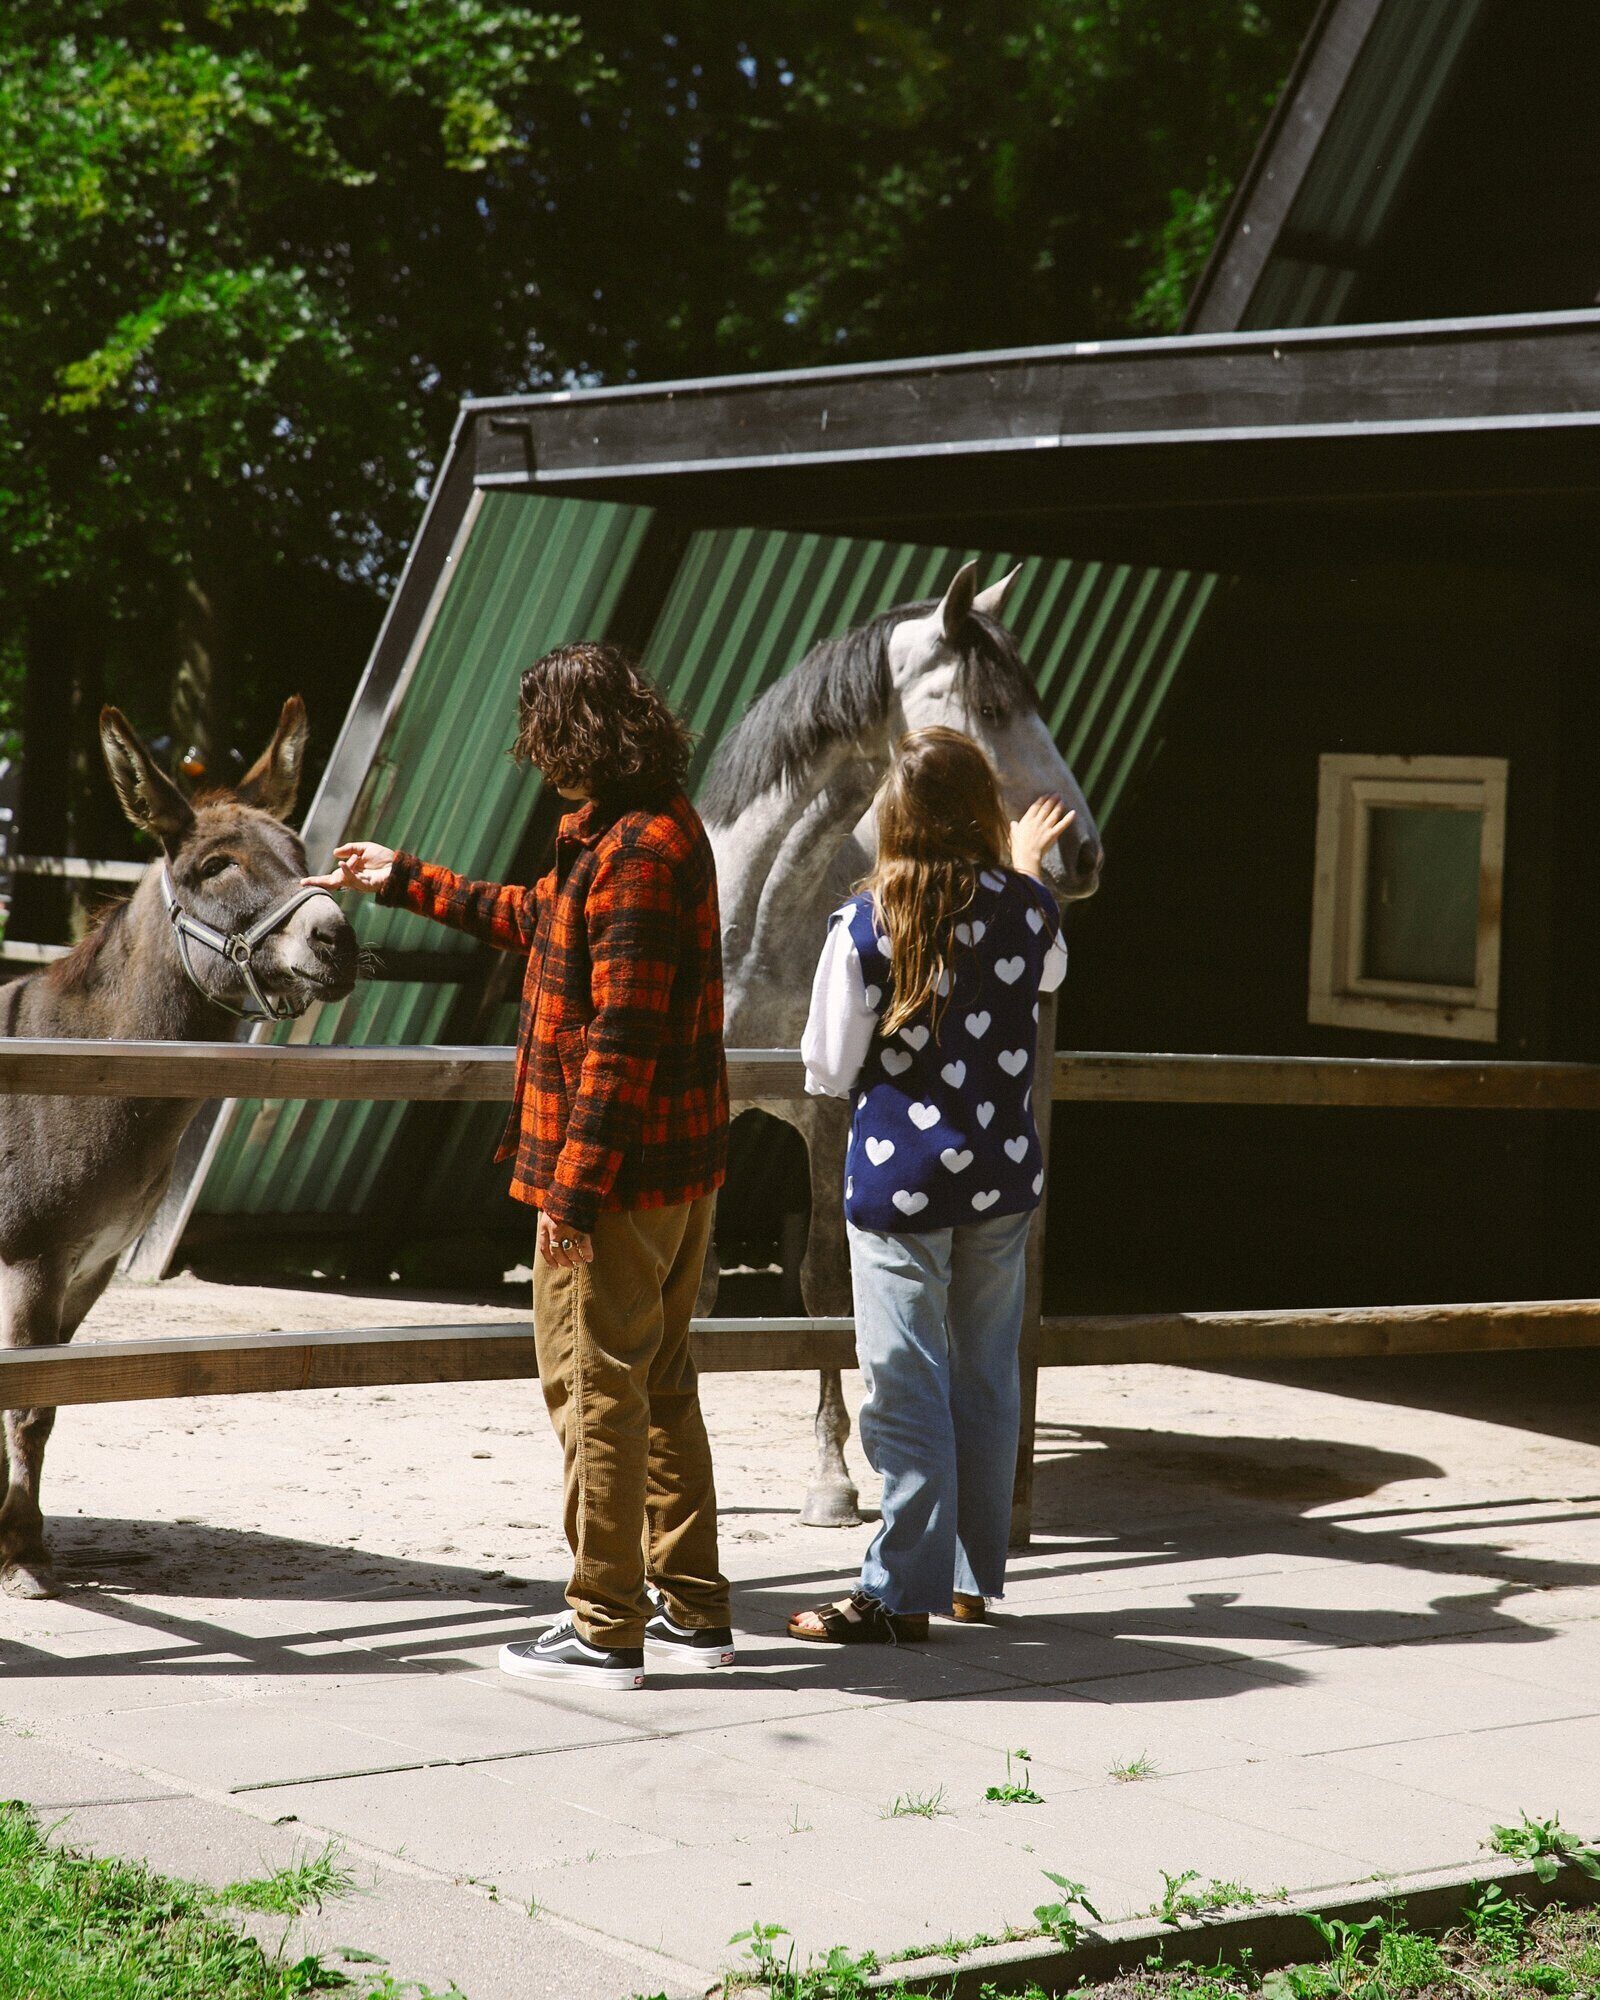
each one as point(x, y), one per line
point(831, 1506)
point(36, 1579)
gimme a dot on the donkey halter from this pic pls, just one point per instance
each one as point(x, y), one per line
point(237, 947)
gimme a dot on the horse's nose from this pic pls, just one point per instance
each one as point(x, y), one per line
point(1090, 855)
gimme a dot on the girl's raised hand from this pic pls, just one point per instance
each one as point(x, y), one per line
point(362, 865)
point(1038, 830)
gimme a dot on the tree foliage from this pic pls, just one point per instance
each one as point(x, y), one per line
point(252, 253)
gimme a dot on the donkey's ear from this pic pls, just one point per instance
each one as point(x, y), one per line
point(149, 797)
point(273, 780)
point(992, 602)
point(957, 600)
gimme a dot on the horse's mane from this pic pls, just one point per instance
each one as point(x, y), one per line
point(75, 971)
point(840, 690)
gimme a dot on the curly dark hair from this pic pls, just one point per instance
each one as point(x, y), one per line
point(592, 722)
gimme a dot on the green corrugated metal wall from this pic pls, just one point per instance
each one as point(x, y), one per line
point(1365, 152)
point(1104, 640)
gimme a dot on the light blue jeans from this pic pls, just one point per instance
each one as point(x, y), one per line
point(938, 1323)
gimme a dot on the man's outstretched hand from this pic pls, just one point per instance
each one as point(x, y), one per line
point(361, 865)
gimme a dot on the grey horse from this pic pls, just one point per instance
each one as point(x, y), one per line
point(788, 806)
point(218, 927)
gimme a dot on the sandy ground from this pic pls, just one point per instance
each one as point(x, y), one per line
point(1348, 1616)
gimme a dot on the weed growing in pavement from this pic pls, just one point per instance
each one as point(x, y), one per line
point(1178, 1900)
point(915, 1805)
point(1015, 1791)
point(840, 1975)
point(1546, 1843)
point(1142, 1766)
point(1061, 1918)
point(303, 1885)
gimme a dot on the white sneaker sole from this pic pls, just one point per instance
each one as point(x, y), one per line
point(524, 1668)
point(694, 1659)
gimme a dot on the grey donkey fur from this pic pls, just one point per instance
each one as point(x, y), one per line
point(788, 807)
point(81, 1176)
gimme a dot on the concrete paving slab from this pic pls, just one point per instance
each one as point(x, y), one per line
point(47, 1775)
point(1274, 1704)
point(879, 1757)
point(916, 1883)
point(490, 1823)
point(1440, 1681)
point(1538, 1768)
point(1075, 1733)
point(1390, 1826)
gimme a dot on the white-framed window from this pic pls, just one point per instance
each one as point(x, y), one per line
point(1405, 912)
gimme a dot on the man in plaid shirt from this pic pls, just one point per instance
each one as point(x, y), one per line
point(618, 1131)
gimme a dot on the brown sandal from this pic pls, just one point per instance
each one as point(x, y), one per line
point(860, 1620)
point(968, 1610)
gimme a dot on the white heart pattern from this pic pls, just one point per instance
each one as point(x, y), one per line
point(1035, 919)
point(1038, 1181)
point(849, 1187)
point(879, 1150)
point(978, 1024)
point(944, 986)
point(895, 1061)
point(988, 1200)
point(995, 883)
point(985, 1113)
point(1010, 970)
point(958, 1163)
point(923, 1115)
point(872, 996)
point(1013, 1061)
point(914, 1037)
point(954, 1074)
point(1016, 1149)
point(908, 1204)
point(971, 933)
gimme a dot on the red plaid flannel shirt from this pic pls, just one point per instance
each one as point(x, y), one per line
point(621, 1097)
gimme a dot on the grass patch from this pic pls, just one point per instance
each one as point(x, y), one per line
point(1142, 1766)
point(303, 1885)
point(916, 1805)
point(76, 1927)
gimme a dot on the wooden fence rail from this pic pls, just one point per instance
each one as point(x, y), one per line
point(483, 1075)
point(122, 1371)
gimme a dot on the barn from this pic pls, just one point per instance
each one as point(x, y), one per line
point(1308, 591)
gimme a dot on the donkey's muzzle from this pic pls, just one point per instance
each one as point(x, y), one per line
point(1090, 857)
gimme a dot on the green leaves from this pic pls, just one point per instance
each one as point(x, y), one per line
point(1546, 1843)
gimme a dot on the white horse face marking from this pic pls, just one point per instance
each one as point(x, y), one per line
point(925, 673)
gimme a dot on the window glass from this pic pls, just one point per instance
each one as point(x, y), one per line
point(1422, 895)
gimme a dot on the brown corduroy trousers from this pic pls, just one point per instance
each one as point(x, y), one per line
point(613, 1344)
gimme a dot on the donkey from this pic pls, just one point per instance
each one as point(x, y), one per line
point(788, 807)
point(219, 927)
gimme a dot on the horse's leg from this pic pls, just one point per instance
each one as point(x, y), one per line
point(831, 1499)
point(710, 1276)
point(31, 1300)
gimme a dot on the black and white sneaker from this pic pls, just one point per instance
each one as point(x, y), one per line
point(703, 1648)
point(562, 1654)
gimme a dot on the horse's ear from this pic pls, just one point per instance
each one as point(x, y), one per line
point(149, 797)
point(273, 780)
point(992, 602)
point(957, 600)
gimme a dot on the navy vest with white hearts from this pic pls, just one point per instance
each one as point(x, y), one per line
point(942, 1131)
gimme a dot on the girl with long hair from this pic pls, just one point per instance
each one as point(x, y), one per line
point(925, 1011)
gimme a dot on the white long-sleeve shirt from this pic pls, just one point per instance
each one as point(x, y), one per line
point(844, 1010)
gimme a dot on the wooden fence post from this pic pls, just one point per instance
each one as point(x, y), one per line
point(1033, 1298)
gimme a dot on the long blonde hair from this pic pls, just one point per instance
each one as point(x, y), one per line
point(940, 824)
